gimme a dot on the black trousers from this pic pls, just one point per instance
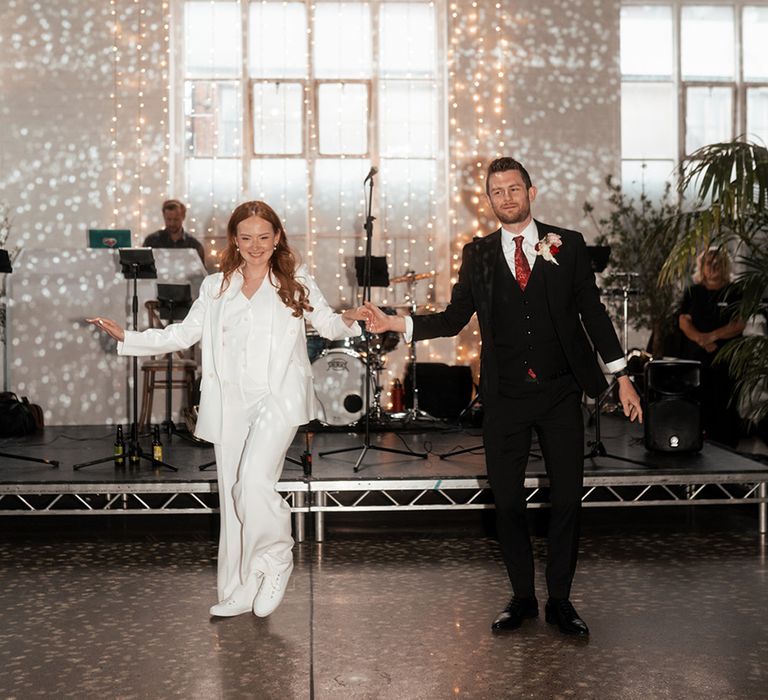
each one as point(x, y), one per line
point(553, 409)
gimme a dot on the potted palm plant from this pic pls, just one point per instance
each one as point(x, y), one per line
point(730, 182)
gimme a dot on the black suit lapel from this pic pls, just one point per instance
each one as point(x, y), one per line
point(542, 231)
point(490, 252)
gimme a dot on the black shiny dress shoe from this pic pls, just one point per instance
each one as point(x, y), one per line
point(560, 612)
point(513, 615)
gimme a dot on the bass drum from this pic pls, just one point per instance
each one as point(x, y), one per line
point(340, 386)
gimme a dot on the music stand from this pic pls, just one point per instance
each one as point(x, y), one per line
point(368, 263)
point(135, 264)
point(379, 271)
point(6, 268)
point(173, 302)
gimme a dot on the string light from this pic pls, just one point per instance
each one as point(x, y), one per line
point(133, 56)
point(142, 57)
point(476, 99)
point(115, 102)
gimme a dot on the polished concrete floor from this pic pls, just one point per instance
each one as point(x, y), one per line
point(106, 607)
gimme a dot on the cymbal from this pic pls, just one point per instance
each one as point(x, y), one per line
point(411, 277)
point(619, 292)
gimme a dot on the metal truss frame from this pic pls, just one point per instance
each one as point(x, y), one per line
point(604, 491)
point(319, 497)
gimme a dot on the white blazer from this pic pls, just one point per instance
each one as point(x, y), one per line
point(289, 373)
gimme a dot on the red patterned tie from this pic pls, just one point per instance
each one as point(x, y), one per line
point(522, 268)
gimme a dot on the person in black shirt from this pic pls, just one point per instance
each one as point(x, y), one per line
point(174, 235)
point(708, 319)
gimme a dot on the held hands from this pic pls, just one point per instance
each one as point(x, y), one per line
point(108, 326)
point(376, 321)
point(379, 322)
point(352, 315)
point(629, 399)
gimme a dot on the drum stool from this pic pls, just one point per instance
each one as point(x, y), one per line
point(154, 374)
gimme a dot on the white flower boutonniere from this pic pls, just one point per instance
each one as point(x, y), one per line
point(549, 246)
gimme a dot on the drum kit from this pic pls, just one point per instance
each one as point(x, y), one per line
point(339, 368)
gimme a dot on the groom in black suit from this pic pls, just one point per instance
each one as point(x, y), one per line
point(534, 293)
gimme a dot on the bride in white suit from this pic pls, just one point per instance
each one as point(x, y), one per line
point(256, 389)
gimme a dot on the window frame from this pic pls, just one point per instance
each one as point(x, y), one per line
point(738, 85)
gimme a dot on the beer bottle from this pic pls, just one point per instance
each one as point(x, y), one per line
point(157, 446)
point(119, 449)
point(133, 452)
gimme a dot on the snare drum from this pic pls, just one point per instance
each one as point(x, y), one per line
point(340, 386)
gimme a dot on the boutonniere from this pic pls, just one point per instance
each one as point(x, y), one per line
point(548, 247)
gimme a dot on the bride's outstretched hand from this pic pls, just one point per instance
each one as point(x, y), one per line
point(108, 326)
point(352, 315)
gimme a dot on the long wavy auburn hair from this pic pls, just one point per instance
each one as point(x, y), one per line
point(282, 263)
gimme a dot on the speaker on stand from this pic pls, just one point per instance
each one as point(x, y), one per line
point(673, 406)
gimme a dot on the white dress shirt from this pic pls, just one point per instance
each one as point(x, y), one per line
point(530, 236)
point(247, 324)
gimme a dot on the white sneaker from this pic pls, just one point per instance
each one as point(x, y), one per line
point(240, 601)
point(271, 593)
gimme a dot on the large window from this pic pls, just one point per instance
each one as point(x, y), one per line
point(692, 74)
point(293, 102)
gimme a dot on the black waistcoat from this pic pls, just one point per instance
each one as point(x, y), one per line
point(523, 333)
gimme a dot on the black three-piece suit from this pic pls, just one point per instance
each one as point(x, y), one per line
point(540, 332)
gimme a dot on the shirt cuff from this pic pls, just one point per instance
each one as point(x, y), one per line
point(616, 365)
point(408, 334)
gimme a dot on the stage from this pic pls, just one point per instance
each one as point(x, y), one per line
point(629, 477)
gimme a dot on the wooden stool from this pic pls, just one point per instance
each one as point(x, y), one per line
point(154, 371)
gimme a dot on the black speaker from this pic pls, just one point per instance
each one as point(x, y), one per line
point(444, 390)
point(673, 406)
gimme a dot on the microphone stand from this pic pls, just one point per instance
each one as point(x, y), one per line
point(597, 448)
point(369, 219)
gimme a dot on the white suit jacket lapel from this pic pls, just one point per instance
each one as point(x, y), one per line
point(217, 314)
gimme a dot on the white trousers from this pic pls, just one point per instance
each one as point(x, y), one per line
point(255, 534)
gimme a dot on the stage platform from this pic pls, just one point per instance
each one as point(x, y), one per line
point(629, 477)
